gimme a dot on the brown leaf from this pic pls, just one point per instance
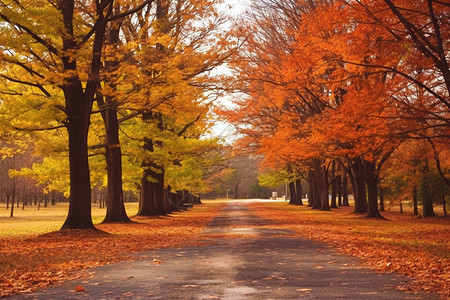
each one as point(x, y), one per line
point(79, 288)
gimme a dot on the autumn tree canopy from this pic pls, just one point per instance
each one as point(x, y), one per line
point(77, 75)
point(343, 81)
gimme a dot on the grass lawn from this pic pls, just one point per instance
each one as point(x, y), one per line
point(32, 221)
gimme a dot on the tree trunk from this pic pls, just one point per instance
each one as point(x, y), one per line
point(321, 185)
point(79, 216)
point(315, 192)
point(115, 211)
point(381, 198)
point(339, 189)
point(416, 209)
point(147, 195)
point(310, 189)
point(371, 178)
point(78, 106)
point(345, 190)
point(427, 200)
point(333, 185)
point(24, 200)
point(13, 197)
point(160, 199)
point(428, 210)
point(292, 195)
point(444, 208)
point(298, 192)
point(359, 187)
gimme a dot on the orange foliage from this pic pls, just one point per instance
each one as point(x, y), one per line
point(353, 84)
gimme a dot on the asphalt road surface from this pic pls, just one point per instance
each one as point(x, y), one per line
point(244, 260)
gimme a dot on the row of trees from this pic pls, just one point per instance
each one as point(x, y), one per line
point(339, 88)
point(113, 93)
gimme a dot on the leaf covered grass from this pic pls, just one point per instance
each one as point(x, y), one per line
point(33, 255)
point(412, 246)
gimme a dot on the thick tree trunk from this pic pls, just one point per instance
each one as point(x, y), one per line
point(78, 106)
point(427, 201)
point(428, 210)
point(115, 211)
point(316, 196)
point(298, 192)
point(79, 216)
point(371, 178)
point(160, 199)
point(321, 185)
point(359, 188)
point(147, 196)
point(292, 194)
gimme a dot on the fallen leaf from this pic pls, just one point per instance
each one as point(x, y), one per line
point(79, 288)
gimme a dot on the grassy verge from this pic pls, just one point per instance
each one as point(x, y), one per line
point(416, 247)
point(34, 255)
point(31, 221)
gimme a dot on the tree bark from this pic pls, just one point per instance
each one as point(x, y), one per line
point(298, 192)
point(444, 207)
point(159, 196)
point(359, 188)
point(371, 179)
point(427, 201)
point(79, 215)
point(310, 189)
point(316, 197)
point(115, 211)
point(339, 189)
point(78, 107)
point(292, 196)
point(320, 186)
point(333, 185)
point(415, 202)
point(381, 192)
point(345, 190)
point(147, 196)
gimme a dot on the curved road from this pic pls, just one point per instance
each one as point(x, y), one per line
point(252, 262)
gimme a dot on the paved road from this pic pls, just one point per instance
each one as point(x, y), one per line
point(252, 263)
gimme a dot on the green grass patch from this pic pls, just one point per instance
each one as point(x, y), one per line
point(31, 221)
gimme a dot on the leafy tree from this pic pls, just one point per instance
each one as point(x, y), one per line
point(59, 47)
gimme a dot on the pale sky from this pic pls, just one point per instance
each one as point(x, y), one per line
point(233, 8)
